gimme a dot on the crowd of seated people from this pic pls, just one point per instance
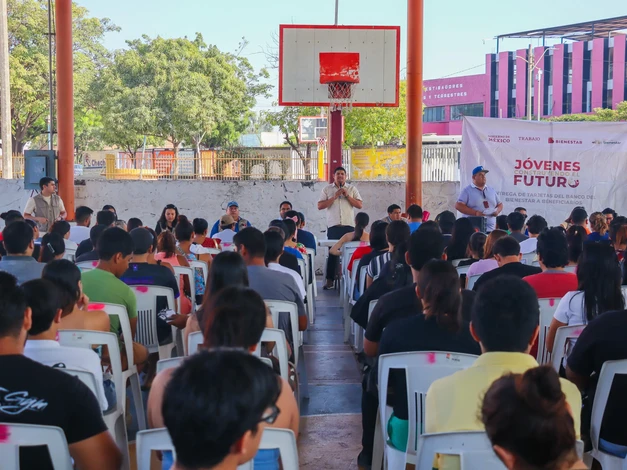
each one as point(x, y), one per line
point(532, 414)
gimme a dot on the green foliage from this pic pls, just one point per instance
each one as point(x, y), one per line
point(599, 115)
point(28, 63)
point(371, 126)
point(177, 90)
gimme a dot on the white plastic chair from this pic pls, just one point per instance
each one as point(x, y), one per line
point(149, 440)
point(281, 306)
point(147, 319)
point(563, 343)
point(189, 272)
point(456, 262)
point(25, 435)
point(115, 419)
point(282, 439)
point(421, 369)
point(131, 373)
point(69, 254)
point(171, 363)
point(473, 447)
point(202, 265)
point(303, 265)
point(462, 269)
point(345, 255)
point(528, 258)
point(624, 290)
point(194, 340)
point(276, 336)
point(547, 309)
point(311, 253)
point(85, 266)
point(609, 370)
point(472, 280)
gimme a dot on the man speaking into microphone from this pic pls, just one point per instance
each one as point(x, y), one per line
point(338, 199)
point(480, 200)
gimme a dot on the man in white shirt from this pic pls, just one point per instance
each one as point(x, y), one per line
point(535, 225)
point(47, 302)
point(47, 207)
point(338, 199)
point(274, 250)
point(80, 231)
point(227, 230)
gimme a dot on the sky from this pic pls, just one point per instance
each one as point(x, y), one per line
point(457, 33)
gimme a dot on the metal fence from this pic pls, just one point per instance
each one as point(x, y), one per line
point(18, 167)
point(440, 162)
point(216, 164)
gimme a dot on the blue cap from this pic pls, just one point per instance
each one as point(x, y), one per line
point(232, 203)
point(479, 169)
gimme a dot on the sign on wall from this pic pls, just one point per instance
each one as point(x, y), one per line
point(549, 167)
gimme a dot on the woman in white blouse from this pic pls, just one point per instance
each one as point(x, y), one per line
point(599, 277)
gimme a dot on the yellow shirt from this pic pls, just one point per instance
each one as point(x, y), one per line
point(454, 402)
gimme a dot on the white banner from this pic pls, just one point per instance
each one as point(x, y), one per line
point(549, 167)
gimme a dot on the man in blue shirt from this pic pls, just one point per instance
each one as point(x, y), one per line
point(480, 200)
point(232, 208)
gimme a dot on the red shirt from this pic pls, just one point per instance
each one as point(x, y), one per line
point(552, 284)
point(210, 243)
point(357, 254)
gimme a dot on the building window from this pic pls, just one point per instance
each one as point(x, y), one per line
point(461, 110)
point(434, 114)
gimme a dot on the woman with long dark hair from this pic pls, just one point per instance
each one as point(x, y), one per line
point(576, 236)
point(599, 280)
point(488, 263)
point(529, 422)
point(52, 247)
point(440, 327)
point(227, 269)
point(236, 319)
point(359, 235)
point(168, 220)
point(458, 246)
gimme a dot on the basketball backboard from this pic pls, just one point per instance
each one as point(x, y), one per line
point(374, 50)
point(312, 128)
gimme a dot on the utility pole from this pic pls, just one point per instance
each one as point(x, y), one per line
point(530, 67)
point(5, 95)
point(539, 109)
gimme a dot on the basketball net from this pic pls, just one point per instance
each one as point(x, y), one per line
point(322, 143)
point(341, 95)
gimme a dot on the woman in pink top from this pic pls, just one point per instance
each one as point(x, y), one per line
point(167, 253)
point(488, 263)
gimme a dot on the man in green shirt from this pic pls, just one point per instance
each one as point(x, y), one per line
point(115, 251)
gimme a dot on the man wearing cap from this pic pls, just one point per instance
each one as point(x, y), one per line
point(227, 230)
point(480, 200)
point(232, 209)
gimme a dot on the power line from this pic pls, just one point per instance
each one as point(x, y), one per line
point(462, 71)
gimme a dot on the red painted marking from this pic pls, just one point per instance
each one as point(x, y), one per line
point(431, 358)
point(552, 302)
point(94, 263)
point(95, 307)
point(4, 433)
point(142, 289)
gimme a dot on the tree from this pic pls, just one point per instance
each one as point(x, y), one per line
point(371, 126)
point(176, 90)
point(28, 62)
point(287, 122)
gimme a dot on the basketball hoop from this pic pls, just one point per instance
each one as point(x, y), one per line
point(340, 72)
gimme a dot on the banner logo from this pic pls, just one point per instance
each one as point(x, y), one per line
point(528, 139)
point(565, 141)
point(499, 139)
point(606, 142)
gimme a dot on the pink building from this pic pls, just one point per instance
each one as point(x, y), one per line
point(584, 71)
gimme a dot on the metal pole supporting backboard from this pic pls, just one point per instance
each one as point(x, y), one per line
point(415, 21)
